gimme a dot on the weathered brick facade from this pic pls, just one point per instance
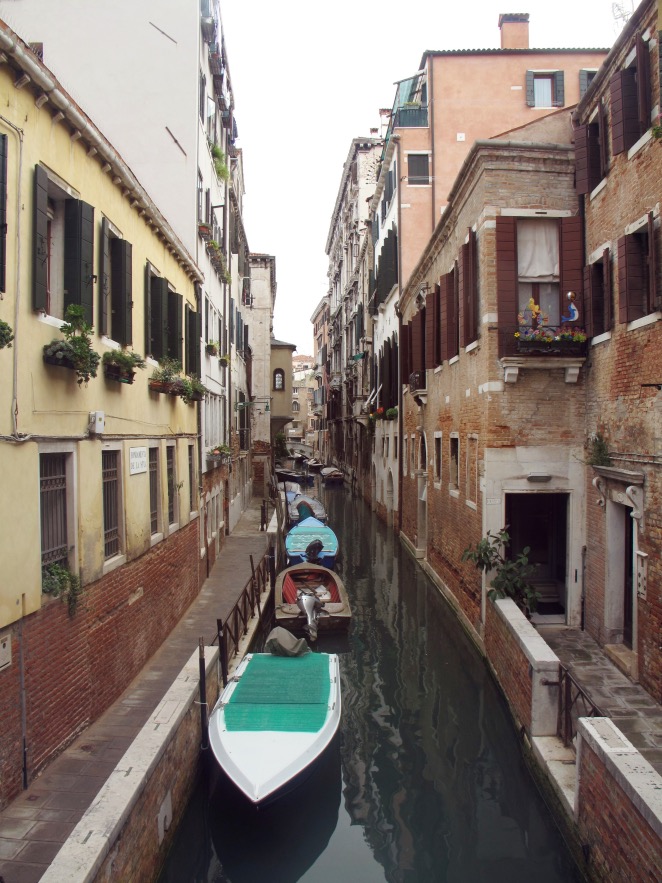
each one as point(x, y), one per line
point(76, 666)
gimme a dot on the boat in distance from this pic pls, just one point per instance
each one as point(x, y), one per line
point(304, 506)
point(275, 717)
point(331, 475)
point(313, 541)
point(310, 598)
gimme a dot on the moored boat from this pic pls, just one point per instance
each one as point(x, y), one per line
point(314, 465)
point(331, 475)
point(311, 537)
point(311, 598)
point(276, 716)
point(304, 506)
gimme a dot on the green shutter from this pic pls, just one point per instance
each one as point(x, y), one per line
point(3, 212)
point(104, 278)
point(78, 256)
point(559, 89)
point(530, 95)
point(158, 327)
point(148, 310)
point(175, 325)
point(40, 241)
point(121, 296)
point(583, 83)
point(193, 328)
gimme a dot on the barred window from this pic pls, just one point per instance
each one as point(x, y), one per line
point(154, 490)
point(110, 461)
point(53, 502)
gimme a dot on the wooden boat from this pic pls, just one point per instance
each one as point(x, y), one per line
point(291, 489)
point(275, 717)
point(314, 465)
point(287, 474)
point(331, 475)
point(303, 535)
point(304, 506)
point(311, 598)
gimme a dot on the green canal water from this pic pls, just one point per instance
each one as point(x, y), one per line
point(424, 783)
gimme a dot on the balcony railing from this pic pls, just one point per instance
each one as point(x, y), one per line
point(411, 116)
point(551, 340)
point(417, 381)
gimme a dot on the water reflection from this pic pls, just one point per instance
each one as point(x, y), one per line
point(433, 785)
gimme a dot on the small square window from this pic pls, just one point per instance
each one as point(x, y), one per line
point(418, 169)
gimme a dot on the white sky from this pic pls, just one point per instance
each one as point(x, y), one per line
point(308, 77)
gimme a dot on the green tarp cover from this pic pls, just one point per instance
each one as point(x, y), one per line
point(280, 693)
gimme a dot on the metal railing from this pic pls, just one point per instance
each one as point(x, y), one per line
point(573, 704)
point(234, 627)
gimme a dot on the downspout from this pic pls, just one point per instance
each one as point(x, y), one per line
point(433, 212)
point(399, 315)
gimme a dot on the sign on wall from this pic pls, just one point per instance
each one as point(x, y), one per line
point(137, 460)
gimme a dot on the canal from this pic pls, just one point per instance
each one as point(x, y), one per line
point(424, 783)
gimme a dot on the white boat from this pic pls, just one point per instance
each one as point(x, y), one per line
point(275, 717)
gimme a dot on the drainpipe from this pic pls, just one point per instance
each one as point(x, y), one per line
point(430, 64)
point(581, 625)
point(399, 315)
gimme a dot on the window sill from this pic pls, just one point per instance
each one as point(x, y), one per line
point(513, 364)
point(113, 563)
point(650, 319)
point(601, 338)
point(472, 505)
point(472, 346)
point(437, 485)
point(636, 147)
point(172, 528)
point(454, 492)
point(155, 538)
point(453, 360)
point(598, 189)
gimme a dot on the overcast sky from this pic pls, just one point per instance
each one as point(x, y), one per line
point(310, 76)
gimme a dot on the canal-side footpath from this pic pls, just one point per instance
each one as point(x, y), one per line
point(129, 771)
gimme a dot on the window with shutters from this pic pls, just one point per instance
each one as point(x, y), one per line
point(591, 152)
point(115, 318)
point(454, 462)
point(468, 295)
point(598, 295)
point(154, 491)
point(545, 89)
point(631, 99)
point(637, 277)
point(112, 534)
point(538, 272)
point(586, 77)
point(449, 314)
point(418, 169)
point(62, 248)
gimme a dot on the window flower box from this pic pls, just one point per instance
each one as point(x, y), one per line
point(204, 231)
point(548, 340)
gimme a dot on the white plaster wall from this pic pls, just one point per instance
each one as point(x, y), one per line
point(114, 59)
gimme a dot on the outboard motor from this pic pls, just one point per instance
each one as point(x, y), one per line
point(311, 606)
point(313, 551)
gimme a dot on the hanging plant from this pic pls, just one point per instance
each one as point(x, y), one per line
point(75, 351)
point(60, 582)
point(6, 335)
point(220, 165)
point(120, 365)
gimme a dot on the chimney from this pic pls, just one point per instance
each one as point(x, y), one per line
point(514, 28)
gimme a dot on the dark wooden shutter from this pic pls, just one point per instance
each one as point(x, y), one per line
point(507, 287)
point(589, 294)
point(653, 296)
point(175, 325)
point(624, 110)
point(104, 279)
point(121, 297)
point(158, 317)
point(435, 315)
point(607, 289)
point(468, 292)
point(79, 256)
point(530, 94)
point(559, 89)
point(453, 315)
point(147, 297)
point(416, 343)
point(462, 286)
point(571, 255)
point(581, 135)
point(395, 364)
point(583, 82)
point(631, 278)
point(40, 241)
point(602, 139)
point(643, 85)
point(430, 330)
point(385, 374)
point(193, 326)
point(3, 212)
point(405, 362)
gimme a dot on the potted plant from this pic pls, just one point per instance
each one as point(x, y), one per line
point(120, 365)
point(6, 334)
point(220, 166)
point(511, 577)
point(211, 348)
point(60, 582)
point(552, 341)
point(75, 351)
point(391, 413)
point(219, 453)
point(167, 378)
point(204, 230)
point(224, 360)
point(193, 390)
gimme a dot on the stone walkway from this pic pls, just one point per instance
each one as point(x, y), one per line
point(632, 709)
point(36, 824)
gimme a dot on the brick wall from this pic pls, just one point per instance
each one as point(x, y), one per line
point(510, 666)
point(75, 667)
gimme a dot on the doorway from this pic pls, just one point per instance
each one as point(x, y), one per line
point(540, 521)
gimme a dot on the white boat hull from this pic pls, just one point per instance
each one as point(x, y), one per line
point(262, 763)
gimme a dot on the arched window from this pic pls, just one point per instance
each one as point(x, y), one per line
point(279, 379)
point(295, 406)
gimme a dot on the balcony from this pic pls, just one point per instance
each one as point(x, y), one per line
point(411, 116)
point(417, 381)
